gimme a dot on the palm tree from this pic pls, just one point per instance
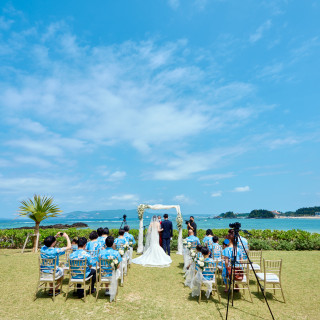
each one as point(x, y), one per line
point(38, 209)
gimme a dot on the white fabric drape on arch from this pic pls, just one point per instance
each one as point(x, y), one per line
point(160, 207)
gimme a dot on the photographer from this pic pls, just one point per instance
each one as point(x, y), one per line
point(191, 225)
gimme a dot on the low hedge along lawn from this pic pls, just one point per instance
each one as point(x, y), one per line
point(260, 239)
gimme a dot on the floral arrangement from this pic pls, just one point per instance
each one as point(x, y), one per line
point(130, 244)
point(185, 242)
point(121, 252)
point(179, 221)
point(141, 209)
point(189, 244)
point(193, 254)
point(126, 246)
point(114, 263)
point(200, 263)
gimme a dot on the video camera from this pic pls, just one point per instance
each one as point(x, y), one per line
point(124, 218)
point(236, 225)
point(187, 221)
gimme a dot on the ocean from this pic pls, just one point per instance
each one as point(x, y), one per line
point(311, 225)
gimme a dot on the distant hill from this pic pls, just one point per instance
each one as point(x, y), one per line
point(101, 214)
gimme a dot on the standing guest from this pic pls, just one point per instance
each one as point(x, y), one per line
point(207, 240)
point(121, 240)
point(167, 233)
point(129, 237)
point(82, 254)
point(93, 246)
point(160, 233)
point(191, 237)
point(110, 253)
point(192, 225)
point(103, 234)
point(48, 251)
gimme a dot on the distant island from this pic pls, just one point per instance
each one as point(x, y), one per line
point(267, 214)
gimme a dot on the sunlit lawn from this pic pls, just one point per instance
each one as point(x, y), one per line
point(155, 293)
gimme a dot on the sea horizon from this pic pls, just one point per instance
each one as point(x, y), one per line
point(203, 222)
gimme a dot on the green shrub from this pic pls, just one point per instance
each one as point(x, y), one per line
point(260, 239)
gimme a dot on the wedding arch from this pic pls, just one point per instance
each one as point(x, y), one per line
point(179, 221)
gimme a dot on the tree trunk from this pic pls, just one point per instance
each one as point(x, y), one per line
point(36, 237)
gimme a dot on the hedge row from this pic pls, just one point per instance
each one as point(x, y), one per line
point(260, 239)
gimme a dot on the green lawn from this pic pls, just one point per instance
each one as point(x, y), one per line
point(154, 293)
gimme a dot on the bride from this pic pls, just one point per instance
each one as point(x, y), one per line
point(153, 254)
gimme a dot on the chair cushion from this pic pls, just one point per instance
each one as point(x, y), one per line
point(271, 277)
point(79, 280)
point(49, 277)
point(255, 266)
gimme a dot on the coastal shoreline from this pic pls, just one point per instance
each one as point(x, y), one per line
point(313, 217)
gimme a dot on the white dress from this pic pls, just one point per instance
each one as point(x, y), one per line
point(153, 255)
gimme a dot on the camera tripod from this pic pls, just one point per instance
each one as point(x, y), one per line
point(236, 228)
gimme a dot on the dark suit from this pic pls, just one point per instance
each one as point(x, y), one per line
point(167, 233)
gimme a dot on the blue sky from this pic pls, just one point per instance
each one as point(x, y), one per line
point(213, 105)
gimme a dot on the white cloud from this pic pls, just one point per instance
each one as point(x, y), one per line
point(125, 197)
point(216, 194)
point(174, 4)
point(217, 176)
point(117, 176)
point(33, 161)
point(184, 165)
point(242, 189)
point(277, 143)
point(181, 198)
point(259, 32)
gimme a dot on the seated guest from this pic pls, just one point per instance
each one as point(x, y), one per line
point(128, 236)
point(74, 244)
point(93, 246)
point(121, 240)
point(48, 251)
point(207, 240)
point(227, 254)
point(239, 245)
point(82, 254)
point(109, 253)
point(191, 237)
point(216, 248)
point(205, 253)
point(102, 233)
point(199, 250)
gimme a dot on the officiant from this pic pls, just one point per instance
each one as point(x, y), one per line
point(192, 225)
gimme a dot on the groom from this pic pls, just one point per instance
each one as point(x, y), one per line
point(166, 227)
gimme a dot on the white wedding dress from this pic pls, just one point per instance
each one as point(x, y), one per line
point(153, 254)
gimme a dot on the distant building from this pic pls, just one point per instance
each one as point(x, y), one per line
point(317, 214)
point(276, 212)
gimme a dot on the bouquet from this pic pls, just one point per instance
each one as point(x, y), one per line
point(125, 247)
point(114, 262)
point(193, 254)
point(130, 244)
point(200, 263)
point(121, 252)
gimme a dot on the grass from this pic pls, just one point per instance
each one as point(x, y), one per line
point(155, 293)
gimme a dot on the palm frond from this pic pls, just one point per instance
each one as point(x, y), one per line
point(39, 208)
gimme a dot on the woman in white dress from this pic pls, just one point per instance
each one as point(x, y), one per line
point(153, 254)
